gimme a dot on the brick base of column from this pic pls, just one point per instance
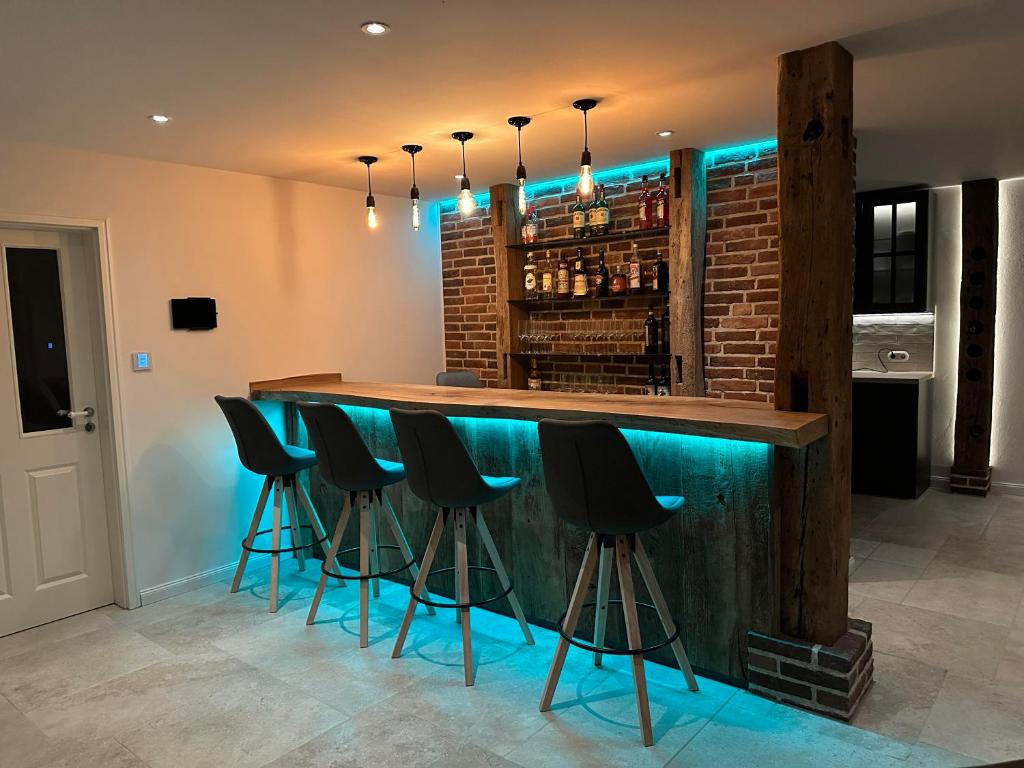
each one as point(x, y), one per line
point(830, 680)
point(970, 481)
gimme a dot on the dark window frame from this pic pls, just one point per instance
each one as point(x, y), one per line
point(863, 287)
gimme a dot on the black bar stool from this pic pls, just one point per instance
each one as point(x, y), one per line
point(442, 473)
point(596, 484)
point(261, 452)
point(458, 379)
point(346, 462)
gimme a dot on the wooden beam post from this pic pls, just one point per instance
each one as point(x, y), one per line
point(815, 347)
point(688, 215)
point(972, 433)
point(508, 266)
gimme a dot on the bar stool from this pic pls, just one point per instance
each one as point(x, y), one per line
point(596, 484)
point(458, 379)
point(261, 452)
point(346, 463)
point(442, 473)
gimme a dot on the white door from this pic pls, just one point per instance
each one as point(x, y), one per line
point(54, 550)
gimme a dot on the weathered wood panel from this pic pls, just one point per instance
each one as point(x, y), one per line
point(508, 274)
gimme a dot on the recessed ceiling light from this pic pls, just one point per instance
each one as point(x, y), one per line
point(160, 119)
point(665, 134)
point(375, 28)
point(458, 177)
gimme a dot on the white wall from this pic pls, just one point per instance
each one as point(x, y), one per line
point(1008, 398)
point(301, 286)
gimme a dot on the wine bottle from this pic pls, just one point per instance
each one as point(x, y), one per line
point(530, 277)
point(659, 274)
point(579, 219)
point(563, 286)
point(651, 333)
point(593, 225)
point(664, 389)
point(601, 276)
point(651, 385)
point(660, 217)
point(606, 213)
point(579, 276)
point(665, 327)
point(635, 272)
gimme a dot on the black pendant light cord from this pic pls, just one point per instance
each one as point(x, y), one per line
point(586, 134)
point(369, 186)
point(519, 138)
point(413, 156)
point(463, 142)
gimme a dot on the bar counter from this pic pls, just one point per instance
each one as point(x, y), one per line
point(717, 560)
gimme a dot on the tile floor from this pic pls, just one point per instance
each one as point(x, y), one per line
point(212, 679)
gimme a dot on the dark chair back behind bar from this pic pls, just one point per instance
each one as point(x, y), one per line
point(458, 379)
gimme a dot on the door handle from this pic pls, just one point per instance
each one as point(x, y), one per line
point(87, 413)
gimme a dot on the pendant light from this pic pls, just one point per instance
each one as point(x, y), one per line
point(586, 183)
point(371, 206)
point(466, 202)
point(518, 122)
point(414, 193)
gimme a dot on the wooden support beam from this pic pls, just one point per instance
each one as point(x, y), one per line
point(508, 265)
point(815, 347)
point(688, 215)
point(972, 434)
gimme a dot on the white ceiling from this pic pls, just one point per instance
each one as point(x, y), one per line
point(293, 89)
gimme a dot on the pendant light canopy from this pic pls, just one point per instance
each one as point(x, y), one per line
point(519, 122)
point(466, 202)
point(371, 206)
point(585, 187)
point(414, 193)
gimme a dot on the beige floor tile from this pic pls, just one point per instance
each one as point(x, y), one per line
point(969, 648)
point(980, 718)
point(53, 632)
point(915, 557)
point(853, 602)
point(1011, 666)
point(929, 756)
point(967, 593)
point(862, 548)
point(1006, 525)
point(884, 581)
point(901, 697)
point(990, 554)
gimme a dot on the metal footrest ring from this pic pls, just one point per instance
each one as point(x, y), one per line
point(616, 651)
point(282, 550)
point(377, 575)
point(471, 603)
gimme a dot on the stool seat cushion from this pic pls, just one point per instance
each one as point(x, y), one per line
point(298, 460)
point(393, 471)
point(671, 503)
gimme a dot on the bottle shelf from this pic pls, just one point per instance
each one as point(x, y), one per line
point(634, 357)
point(611, 237)
point(625, 301)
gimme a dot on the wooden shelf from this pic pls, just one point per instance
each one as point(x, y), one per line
point(611, 237)
point(634, 357)
point(627, 301)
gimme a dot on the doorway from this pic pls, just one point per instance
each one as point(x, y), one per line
point(57, 474)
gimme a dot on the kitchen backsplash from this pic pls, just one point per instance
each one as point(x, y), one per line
point(875, 335)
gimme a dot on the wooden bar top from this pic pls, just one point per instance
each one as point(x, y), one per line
point(708, 417)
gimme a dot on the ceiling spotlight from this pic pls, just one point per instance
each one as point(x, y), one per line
point(375, 28)
point(665, 134)
point(160, 119)
point(458, 177)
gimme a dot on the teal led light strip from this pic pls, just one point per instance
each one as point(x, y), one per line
point(712, 156)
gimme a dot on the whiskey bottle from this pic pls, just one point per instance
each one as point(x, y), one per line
point(606, 213)
point(593, 226)
point(651, 385)
point(534, 381)
point(635, 272)
point(563, 287)
point(664, 388)
point(619, 283)
point(643, 213)
point(579, 219)
point(660, 217)
point(530, 277)
point(579, 276)
point(601, 276)
point(659, 274)
point(547, 280)
point(530, 225)
point(665, 328)
point(651, 333)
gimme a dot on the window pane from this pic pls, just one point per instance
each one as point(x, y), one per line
point(881, 280)
point(883, 229)
point(903, 278)
point(37, 325)
point(906, 215)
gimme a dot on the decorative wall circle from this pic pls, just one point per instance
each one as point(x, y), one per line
point(977, 430)
point(977, 277)
point(978, 253)
point(974, 374)
point(974, 350)
point(975, 327)
point(976, 302)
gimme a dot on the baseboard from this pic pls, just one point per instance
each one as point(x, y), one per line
point(941, 482)
point(195, 581)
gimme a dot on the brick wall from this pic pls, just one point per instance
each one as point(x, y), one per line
point(741, 288)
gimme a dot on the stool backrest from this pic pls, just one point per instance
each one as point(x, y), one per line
point(458, 379)
point(594, 480)
point(259, 450)
point(344, 459)
point(437, 465)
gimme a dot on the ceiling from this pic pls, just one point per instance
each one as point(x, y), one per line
point(293, 89)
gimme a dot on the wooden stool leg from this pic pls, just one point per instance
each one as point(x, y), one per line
point(499, 566)
point(374, 546)
point(251, 535)
point(647, 572)
point(643, 706)
point(604, 583)
point(364, 569)
point(572, 617)
point(314, 520)
point(330, 562)
point(275, 543)
point(462, 571)
point(293, 522)
point(403, 545)
point(417, 588)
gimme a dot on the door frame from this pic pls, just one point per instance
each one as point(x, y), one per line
point(115, 460)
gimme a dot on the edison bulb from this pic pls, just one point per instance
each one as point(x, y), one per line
point(522, 197)
point(586, 184)
point(466, 202)
point(371, 217)
point(416, 214)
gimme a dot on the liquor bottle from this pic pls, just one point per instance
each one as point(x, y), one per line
point(530, 225)
point(651, 385)
point(619, 283)
point(659, 274)
point(579, 276)
point(651, 333)
point(643, 213)
point(579, 219)
point(593, 225)
point(530, 277)
point(534, 381)
point(660, 217)
point(547, 280)
point(563, 288)
point(664, 388)
point(605, 211)
point(601, 276)
point(665, 327)
point(635, 272)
